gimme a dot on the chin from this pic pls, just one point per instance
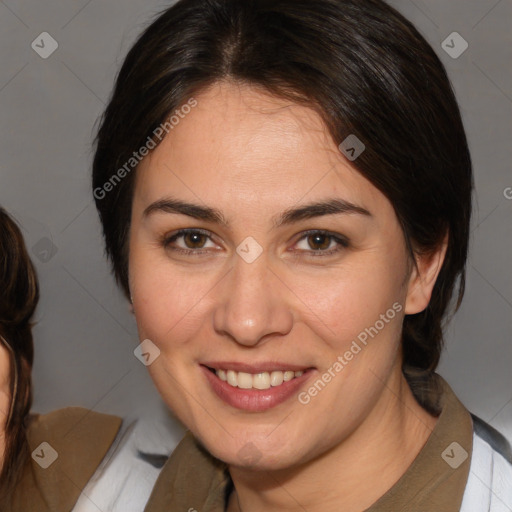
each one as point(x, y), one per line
point(258, 452)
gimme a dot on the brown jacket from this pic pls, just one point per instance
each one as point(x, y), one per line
point(66, 447)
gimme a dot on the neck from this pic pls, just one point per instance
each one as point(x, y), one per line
point(356, 473)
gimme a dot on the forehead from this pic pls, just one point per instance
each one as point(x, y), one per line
point(241, 145)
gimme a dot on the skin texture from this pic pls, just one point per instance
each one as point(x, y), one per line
point(5, 397)
point(252, 156)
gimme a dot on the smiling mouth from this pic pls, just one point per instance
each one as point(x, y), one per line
point(261, 380)
point(270, 385)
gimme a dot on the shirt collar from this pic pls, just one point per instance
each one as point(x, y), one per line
point(157, 432)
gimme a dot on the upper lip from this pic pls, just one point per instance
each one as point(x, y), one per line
point(264, 366)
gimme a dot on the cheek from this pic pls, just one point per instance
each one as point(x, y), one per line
point(348, 300)
point(168, 301)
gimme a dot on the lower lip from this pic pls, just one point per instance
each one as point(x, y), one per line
point(255, 400)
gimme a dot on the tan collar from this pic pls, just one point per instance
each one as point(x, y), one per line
point(194, 479)
point(431, 483)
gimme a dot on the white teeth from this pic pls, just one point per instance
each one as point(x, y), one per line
point(276, 378)
point(244, 380)
point(288, 375)
point(232, 380)
point(263, 380)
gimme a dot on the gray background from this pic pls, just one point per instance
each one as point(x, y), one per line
point(85, 335)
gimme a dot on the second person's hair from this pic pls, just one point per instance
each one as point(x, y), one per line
point(19, 295)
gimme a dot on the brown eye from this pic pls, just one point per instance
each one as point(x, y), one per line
point(319, 241)
point(189, 241)
point(194, 240)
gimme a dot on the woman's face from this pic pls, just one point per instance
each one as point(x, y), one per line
point(256, 288)
point(5, 395)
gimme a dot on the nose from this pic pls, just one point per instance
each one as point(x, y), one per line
point(252, 304)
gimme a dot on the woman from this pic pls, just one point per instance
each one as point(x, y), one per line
point(18, 300)
point(285, 193)
point(46, 459)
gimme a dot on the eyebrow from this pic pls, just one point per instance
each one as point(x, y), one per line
point(332, 206)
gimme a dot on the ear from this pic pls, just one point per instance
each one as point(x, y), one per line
point(423, 278)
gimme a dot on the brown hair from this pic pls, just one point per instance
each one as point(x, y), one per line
point(361, 65)
point(19, 295)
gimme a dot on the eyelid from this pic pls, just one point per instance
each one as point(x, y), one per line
point(343, 240)
point(168, 238)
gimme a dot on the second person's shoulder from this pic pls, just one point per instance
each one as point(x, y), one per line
point(65, 448)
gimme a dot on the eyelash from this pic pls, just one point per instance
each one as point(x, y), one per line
point(342, 242)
